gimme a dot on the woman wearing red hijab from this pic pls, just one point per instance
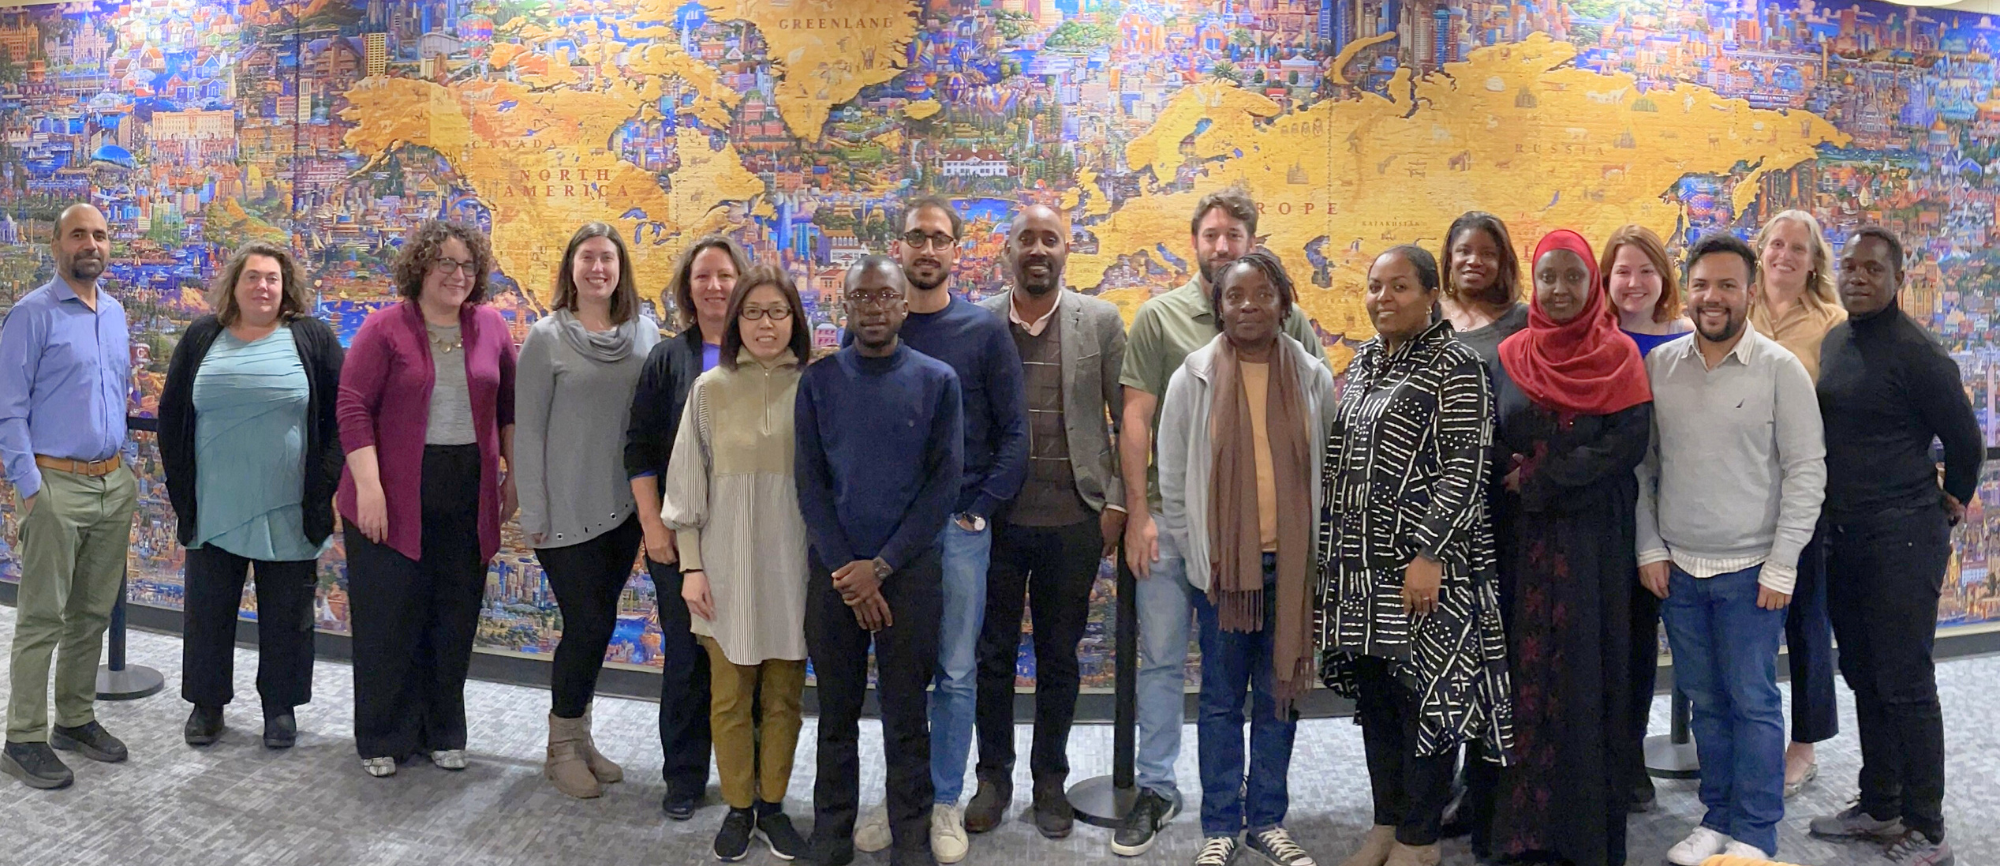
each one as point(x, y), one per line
point(1574, 416)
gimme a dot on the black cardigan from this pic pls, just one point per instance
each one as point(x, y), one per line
point(664, 383)
point(320, 353)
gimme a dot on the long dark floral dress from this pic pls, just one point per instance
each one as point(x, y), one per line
point(1567, 567)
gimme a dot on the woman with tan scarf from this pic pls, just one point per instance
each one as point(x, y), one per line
point(1240, 488)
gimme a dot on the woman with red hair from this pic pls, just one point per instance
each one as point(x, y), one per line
point(1574, 416)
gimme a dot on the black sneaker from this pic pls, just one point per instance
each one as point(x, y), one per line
point(1150, 812)
point(90, 740)
point(1642, 796)
point(36, 765)
point(204, 726)
point(775, 827)
point(988, 807)
point(1054, 816)
point(733, 841)
point(1277, 846)
point(1917, 848)
point(821, 851)
point(680, 804)
point(281, 731)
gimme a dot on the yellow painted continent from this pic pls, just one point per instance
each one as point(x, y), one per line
point(824, 51)
point(1511, 130)
point(540, 167)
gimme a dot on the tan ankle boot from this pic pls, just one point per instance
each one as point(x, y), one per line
point(607, 773)
point(567, 767)
point(1375, 847)
point(1415, 855)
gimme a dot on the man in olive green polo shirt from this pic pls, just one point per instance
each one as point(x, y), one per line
point(1166, 329)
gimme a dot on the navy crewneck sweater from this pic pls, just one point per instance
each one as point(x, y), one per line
point(879, 453)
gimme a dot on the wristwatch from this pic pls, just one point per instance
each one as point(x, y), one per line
point(882, 569)
point(978, 523)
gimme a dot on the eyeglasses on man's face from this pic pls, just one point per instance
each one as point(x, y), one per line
point(879, 300)
point(918, 240)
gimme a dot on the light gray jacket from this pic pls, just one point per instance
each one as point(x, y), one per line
point(1093, 348)
point(1186, 460)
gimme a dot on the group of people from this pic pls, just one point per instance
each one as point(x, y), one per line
point(1475, 537)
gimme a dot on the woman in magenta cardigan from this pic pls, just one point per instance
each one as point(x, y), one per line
point(427, 414)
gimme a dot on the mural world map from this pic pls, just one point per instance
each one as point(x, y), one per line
point(797, 125)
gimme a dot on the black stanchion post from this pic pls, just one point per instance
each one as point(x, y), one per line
point(1103, 801)
point(1672, 755)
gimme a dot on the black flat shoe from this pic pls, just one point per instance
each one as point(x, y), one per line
point(90, 740)
point(204, 726)
point(281, 731)
point(36, 765)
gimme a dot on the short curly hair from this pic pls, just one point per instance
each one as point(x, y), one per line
point(421, 247)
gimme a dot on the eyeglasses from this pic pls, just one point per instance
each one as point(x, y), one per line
point(925, 240)
point(881, 300)
point(775, 314)
point(448, 267)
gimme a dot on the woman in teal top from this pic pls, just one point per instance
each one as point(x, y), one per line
point(252, 453)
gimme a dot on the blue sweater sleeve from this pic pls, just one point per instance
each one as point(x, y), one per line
point(814, 476)
point(944, 462)
point(1007, 406)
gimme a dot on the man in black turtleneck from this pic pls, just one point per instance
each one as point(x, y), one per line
point(1886, 390)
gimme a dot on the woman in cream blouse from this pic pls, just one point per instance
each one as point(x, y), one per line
point(730, 498)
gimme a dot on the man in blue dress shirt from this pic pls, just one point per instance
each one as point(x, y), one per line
point(65, 370)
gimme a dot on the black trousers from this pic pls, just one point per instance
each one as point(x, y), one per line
point(1410, 792)
point(285, 593)
point(587, 579)
point(1884, 575)
point(1809, 648)
point(684, 735)
point(1645, 677)
point(1057, 566)
point(905, 658)
point(414, 620)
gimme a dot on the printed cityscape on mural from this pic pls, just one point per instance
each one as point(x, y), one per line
point(796, 126)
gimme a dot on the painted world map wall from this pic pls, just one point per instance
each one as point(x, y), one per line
point(796, 126)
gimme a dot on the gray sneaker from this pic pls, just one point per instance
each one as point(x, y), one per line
point(1916, 849)
point(1856, 824)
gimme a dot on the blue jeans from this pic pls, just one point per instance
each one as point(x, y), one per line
point(1726, 661)
point(1162, 602)
point(955, 692)
point(1231, 664)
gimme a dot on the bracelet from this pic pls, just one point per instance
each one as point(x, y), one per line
point(693, 571)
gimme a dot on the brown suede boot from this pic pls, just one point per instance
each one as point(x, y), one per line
point(1375, 847)
point(607, 773)
point(567, 767)
point(1415, 855)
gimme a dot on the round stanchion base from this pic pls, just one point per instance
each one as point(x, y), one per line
point(1101, 803)
point(130, 684)
point(1666, 759)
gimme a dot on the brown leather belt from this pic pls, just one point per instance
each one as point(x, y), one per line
point(98, 469)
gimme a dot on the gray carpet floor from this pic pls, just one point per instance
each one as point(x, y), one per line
point(236, 803)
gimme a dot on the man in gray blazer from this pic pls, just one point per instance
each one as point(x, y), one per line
point(1068, 516)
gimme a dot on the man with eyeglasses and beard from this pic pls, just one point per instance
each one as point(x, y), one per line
point(976, 346)
point(65, 371)
point(1068, 516)
point(1166, 330)
point(877, 459)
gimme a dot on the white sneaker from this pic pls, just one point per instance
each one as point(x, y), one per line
point(449, 759)
point(1745, 850)
point(1700, 845)
point(872, 834)
point(379, 767)
point(948, 841)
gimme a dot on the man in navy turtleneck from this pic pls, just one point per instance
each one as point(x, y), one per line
point(1886, 390)
point(880, 443)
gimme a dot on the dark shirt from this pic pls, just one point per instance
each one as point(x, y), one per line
point(1648, 342)
point(1886, 390)
point(879, 454)
point(976, 345)
point(1486, 340)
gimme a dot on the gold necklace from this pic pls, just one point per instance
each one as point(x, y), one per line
point(457, 340)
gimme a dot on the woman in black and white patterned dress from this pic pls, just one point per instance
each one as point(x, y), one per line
point(1409, 618)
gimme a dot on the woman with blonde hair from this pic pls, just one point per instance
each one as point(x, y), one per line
point(251, 448)
point(1794, 303)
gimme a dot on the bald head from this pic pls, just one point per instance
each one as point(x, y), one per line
point(82, 246)
point(1037, 249)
